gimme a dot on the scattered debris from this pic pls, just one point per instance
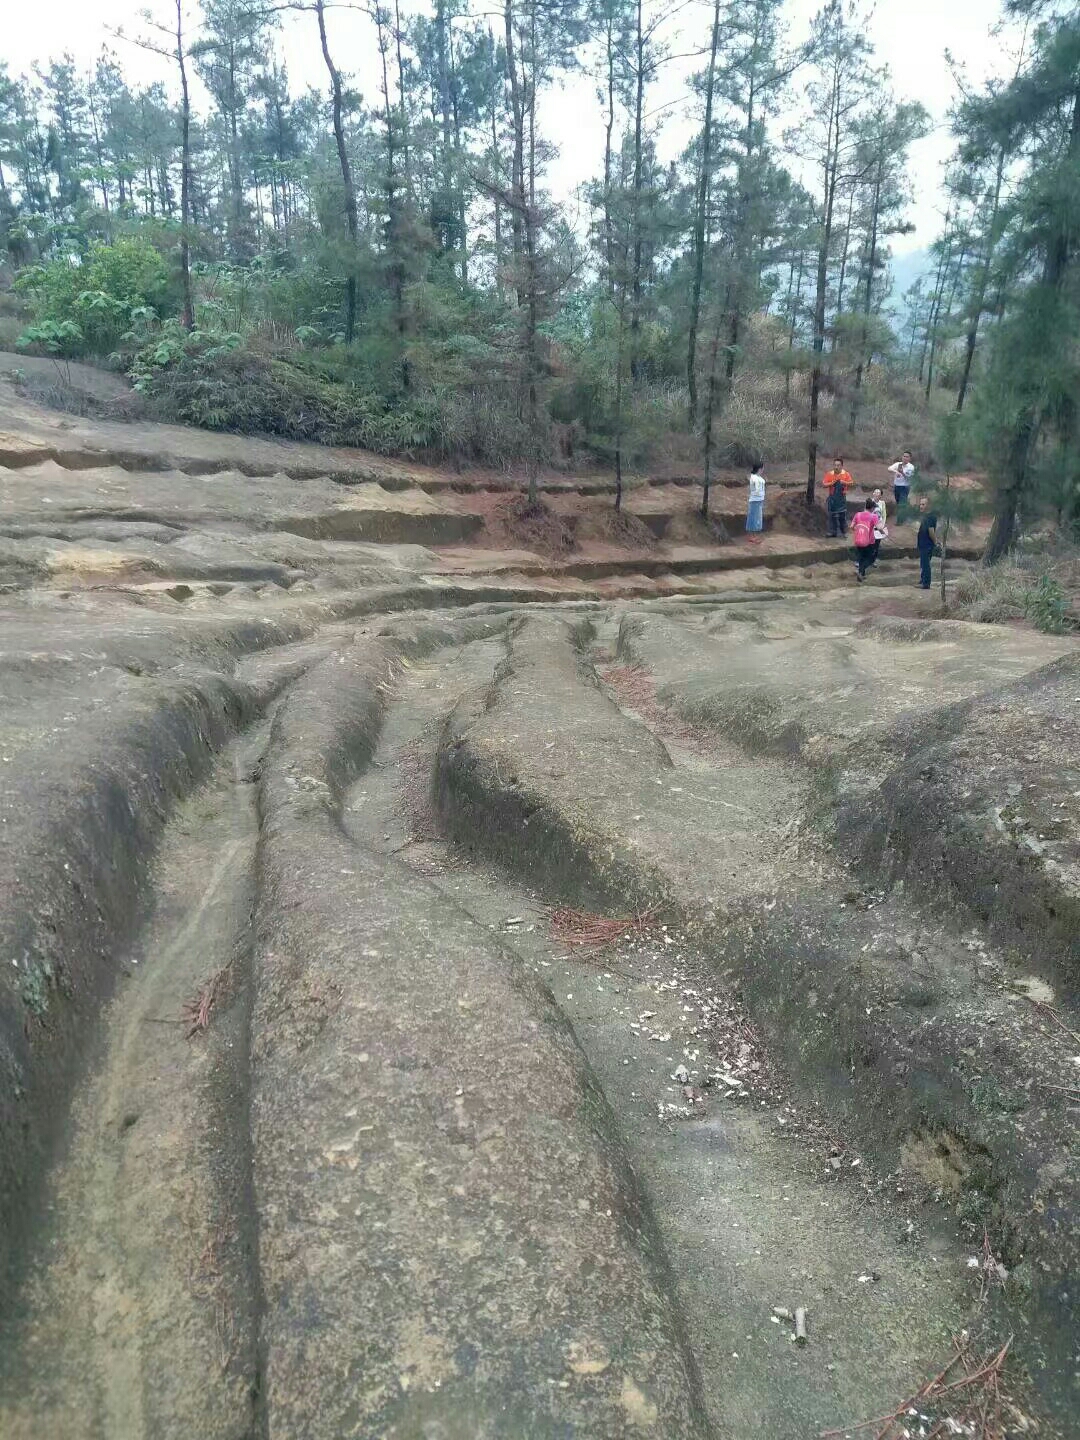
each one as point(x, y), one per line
point(196, 1013)
point(800, 1325)
point(1044, 1008)
point(970, 1404)
point(635, 690)
point(592, 932)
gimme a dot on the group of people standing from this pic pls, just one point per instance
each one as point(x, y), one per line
point(868, 527)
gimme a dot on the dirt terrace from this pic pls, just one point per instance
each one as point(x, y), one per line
point(317, 1117)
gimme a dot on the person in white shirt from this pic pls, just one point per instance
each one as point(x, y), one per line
point(903, 472)
point(876, 503)
point(755, 506)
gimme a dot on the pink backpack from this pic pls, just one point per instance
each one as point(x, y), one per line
point(863, 533)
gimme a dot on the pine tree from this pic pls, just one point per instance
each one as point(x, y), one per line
point(1028, 401)
point(841, 57)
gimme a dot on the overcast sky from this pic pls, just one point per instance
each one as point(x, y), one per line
point(910, 36)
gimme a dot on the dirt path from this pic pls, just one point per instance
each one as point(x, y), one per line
point(137, 1319)
point(752, 1211)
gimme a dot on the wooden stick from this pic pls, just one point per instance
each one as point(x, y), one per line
point(1045, 1009)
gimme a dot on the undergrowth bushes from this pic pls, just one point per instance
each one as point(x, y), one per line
point(83, 305)
point(1042, 587)
point(209, 382)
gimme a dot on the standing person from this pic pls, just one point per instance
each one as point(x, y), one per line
point(877, 504)
point(903, 472)
point(755, 505)
point(863, 525)
point(836, 482)
point(927, 541)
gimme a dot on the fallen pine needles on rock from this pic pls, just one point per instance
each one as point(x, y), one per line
point(971, 1404)
point(591, 932)
point(196, 1013)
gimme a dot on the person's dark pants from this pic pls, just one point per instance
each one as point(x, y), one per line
point(900, 496)
point(924, 568)
point(874, 548)
point(864, 558)
point(837, 522)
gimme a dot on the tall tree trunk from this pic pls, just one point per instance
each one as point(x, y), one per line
point(935, 295)
point(401, 93)
point(832, 162)
point(1026, 429)
point(619, 403)
point(710, 409)
point(188, 304)
point(978, 303)
point(734, 296)
point(793, 326)
point(462, 207)
point(639, 105)
point(395, 257)
point(842, 278)
point(517, 167)
point(938, 316)
point(352, 220)
point(532, 276)
point(523, 220)
point(945, 536)
point(497, 170)
point(99, 152)
point(701, 204)
point(236, 184)
point(531, 105)
point(609, 234)
point(1021, 448)
point(868, 294)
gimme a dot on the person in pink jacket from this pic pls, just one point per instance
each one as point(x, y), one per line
point(863, 526)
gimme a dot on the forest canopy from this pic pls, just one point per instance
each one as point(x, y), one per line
point(391, 269)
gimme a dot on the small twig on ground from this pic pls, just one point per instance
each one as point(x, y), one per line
point(1048, 1010)
point(196, 1013)
point(591, 932)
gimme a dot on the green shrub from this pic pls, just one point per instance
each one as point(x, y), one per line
point(83, 306)
point(1047, 606)
point(218, 383)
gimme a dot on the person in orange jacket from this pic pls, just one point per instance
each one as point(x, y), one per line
point(836, 482)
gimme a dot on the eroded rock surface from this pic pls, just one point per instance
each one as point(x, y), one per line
point(315, 1118)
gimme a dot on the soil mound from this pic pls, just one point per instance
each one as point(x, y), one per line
point(608, 526)
point(518, 524)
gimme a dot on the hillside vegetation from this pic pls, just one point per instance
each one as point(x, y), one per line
point(392, 270)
